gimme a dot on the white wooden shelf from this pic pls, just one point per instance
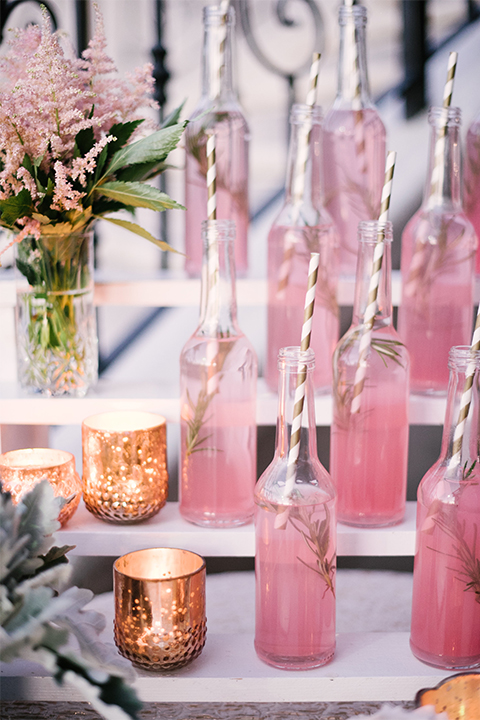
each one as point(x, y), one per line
point(366, 667)
point(94, 537)
point(17, 408)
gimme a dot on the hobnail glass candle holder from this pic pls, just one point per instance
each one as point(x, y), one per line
point(21, 469)
point(160, 621)
point(125, 477)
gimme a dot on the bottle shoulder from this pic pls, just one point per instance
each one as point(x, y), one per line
point(387, 351)
point(237, 348)
point(313, 483)
point(342, 118)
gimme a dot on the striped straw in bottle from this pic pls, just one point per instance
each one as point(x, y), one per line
point(211, 177)
point(371, 309)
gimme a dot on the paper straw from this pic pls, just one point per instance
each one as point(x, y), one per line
point(304, 141)
point(211, 178)
point(285, 267)
point(466, 399)
point(299, 400)
point(219, 63)
point(371, 309)
point(415, 272)
point(213, 276)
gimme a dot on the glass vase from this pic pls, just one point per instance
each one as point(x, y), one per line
point(295, 530)
point(303, 226)
point(218, 376)
point(369, 439)
point(445, 629)
point(55, 317)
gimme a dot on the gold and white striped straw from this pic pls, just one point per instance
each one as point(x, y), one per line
point(371, 309)
point(211, 177)
point(299, 399)
point(466, 399)
point(213, 278)
point(415, 271)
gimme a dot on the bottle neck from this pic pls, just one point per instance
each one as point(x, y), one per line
point(443, 185)
point(292, 364)
point(368, 238)
point(218, 54)
point(304, 160)
point(470, 447)
point(353, 87)
point(218, 304)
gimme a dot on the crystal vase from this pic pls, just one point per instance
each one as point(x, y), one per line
point(55, 318)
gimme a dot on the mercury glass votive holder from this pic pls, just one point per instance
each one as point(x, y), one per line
point(21, 469)
point(160, 621)
point(125, 477)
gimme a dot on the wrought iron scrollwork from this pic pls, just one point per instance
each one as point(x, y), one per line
point(243, 11)
point(8, 6)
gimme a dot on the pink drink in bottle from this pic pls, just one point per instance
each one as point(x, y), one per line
point(472, 181)
point(303, 226)
point(445, 629)
point(353, 141)
point(218, 373)
point(295, 557)
point(369, 448)
point(219, 111)
point(438, 256)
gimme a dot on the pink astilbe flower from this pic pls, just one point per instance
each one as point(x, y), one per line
point(64, 195)
point(87, 164)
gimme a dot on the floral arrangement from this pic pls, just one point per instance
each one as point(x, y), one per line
point(66, 126)
point(39, 620)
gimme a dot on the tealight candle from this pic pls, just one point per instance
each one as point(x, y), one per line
point(21, 469)
point(125, 477)
point(160, 621)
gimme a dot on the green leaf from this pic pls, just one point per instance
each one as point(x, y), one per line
point(137, 194)
point(155, 147)
point(173, 117)
point(84, 142)
point(142, 171)
point(138, 230)
point(123, 132)
point(16, 207)
point(28, 271)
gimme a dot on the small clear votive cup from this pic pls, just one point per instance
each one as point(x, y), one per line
point(21, 469)
point(125, 476)
point(160, 621)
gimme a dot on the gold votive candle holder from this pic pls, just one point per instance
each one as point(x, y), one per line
point(21, 469)
point(160, 621)
point(125, 476)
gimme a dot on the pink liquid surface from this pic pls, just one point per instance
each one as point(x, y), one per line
point(295, 608)
point(436, 312)
point(218, 478)
point(354, 169)
point(369, 449)
point(445, 630)
point(286, 305)
point(231, 134)
point(472, 182)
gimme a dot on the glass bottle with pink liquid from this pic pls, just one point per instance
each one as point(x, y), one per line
point(445, 627)
point(218, 375)
point(369, 439)
point(295, 556)
point(472, 181)
point(437, 264)
point(303, 226)
point(218, 111)
point(353, 141)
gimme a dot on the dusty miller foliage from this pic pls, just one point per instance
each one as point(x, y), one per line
point(38, 621)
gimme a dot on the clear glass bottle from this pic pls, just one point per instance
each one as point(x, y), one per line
point(303, 226)
point(437, 264)
point(218, 110)
point(218, 375)
point(353, 141)
point(295, 556)
point(369, 447)
point(472, 181)
point(445, 629)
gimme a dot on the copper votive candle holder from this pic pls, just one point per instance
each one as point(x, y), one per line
point(125, 477)
point(21, 469)
point(160, 621)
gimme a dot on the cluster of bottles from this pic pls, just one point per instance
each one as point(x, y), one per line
point(333, 213)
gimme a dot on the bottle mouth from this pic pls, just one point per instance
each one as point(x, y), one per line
point(218, 229)
point(356, 12)
point(459, 357)
point(368, 231)
point(441, 116)
point(293, 356)
point(212, 15)
point(301, 112)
